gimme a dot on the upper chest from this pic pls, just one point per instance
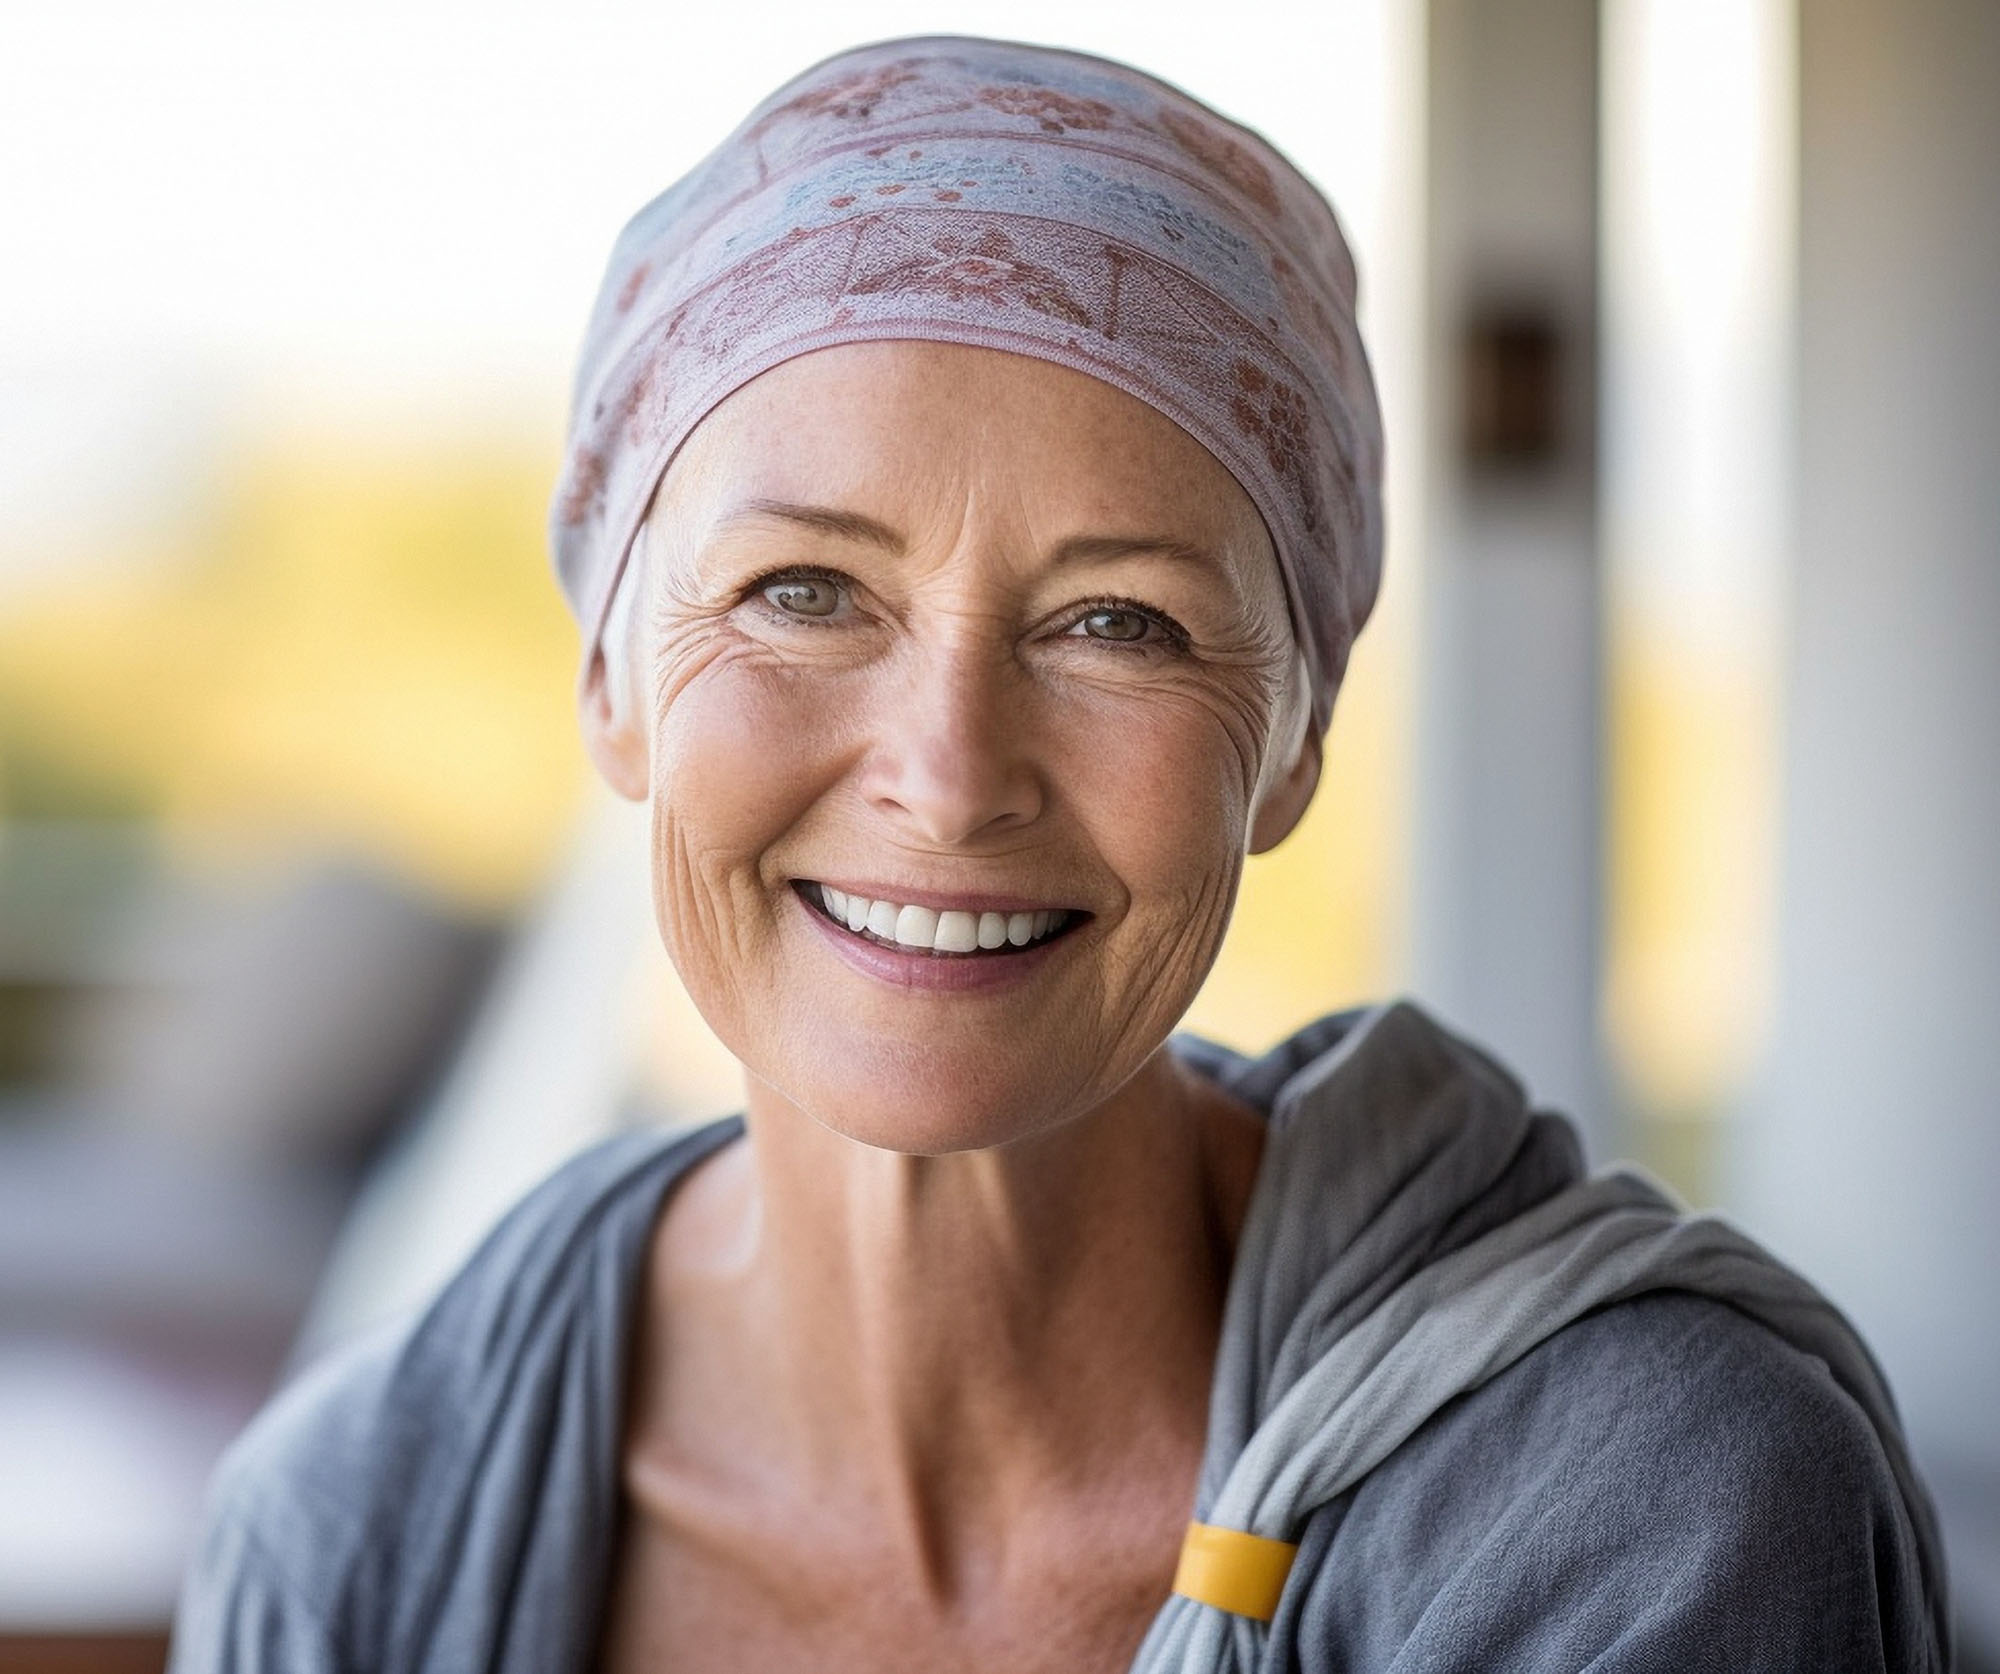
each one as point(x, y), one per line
point(829, 1594)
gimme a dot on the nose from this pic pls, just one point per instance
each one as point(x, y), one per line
point(953, 756)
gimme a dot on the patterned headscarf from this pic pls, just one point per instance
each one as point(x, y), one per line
point(1015, 197)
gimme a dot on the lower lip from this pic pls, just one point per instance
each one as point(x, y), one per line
point(962, 973)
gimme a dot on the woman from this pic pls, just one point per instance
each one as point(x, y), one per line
point(973, 494)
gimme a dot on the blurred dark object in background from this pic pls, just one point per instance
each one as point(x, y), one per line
point(83, 1653)
point(304, 1022)
point(201, 1070)
point(1511, 394)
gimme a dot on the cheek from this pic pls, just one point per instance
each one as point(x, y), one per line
point(742, 750)
point(1161, 787)
point(1163, 784)
point(1156, 789)
point(734, 747)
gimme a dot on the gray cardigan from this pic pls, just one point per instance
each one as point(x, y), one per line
point(1515, 1418)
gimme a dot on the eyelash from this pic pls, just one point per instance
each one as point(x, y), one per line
point(1172, 636)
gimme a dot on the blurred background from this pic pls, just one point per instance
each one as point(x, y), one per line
point(1670, 766)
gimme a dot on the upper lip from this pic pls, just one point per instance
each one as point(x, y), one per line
point(945, 900)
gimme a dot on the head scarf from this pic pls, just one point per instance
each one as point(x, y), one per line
point(1014, 197)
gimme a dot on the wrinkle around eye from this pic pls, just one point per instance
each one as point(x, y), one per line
point(1237, 695)
point(753, 639)
point(687, 650)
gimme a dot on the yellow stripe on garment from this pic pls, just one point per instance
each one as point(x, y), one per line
point(1240, 1573)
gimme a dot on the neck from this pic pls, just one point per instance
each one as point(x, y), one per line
point(961, 1338)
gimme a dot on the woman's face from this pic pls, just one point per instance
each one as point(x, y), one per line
point(940, 650)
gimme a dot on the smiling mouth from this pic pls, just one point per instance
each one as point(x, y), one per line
point(950, 934)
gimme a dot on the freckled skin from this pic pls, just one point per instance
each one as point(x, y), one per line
point(922, 1369)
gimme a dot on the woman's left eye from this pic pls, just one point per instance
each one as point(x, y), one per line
point(1121, 624)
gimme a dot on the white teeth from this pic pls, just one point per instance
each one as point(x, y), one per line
point(916, 927)
point(956, 932)
point(952, 930)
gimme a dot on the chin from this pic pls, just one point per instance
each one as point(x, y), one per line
point(922, 1102)
point(920, 1137)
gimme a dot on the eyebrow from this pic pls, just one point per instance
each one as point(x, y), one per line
point(826, 520)
point(853, 526)
point(1087, 549)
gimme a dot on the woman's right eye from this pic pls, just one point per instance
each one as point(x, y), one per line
point(811, 597)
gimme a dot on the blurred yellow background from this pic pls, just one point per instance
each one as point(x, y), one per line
point(355, 646)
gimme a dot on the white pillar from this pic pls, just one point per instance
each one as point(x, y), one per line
point(1871, 1154)
point(1508, 865)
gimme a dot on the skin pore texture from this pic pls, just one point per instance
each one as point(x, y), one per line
point(922, 1367)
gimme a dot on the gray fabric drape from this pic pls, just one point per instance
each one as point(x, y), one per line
point(444, 1498)
point(1340, 1340)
